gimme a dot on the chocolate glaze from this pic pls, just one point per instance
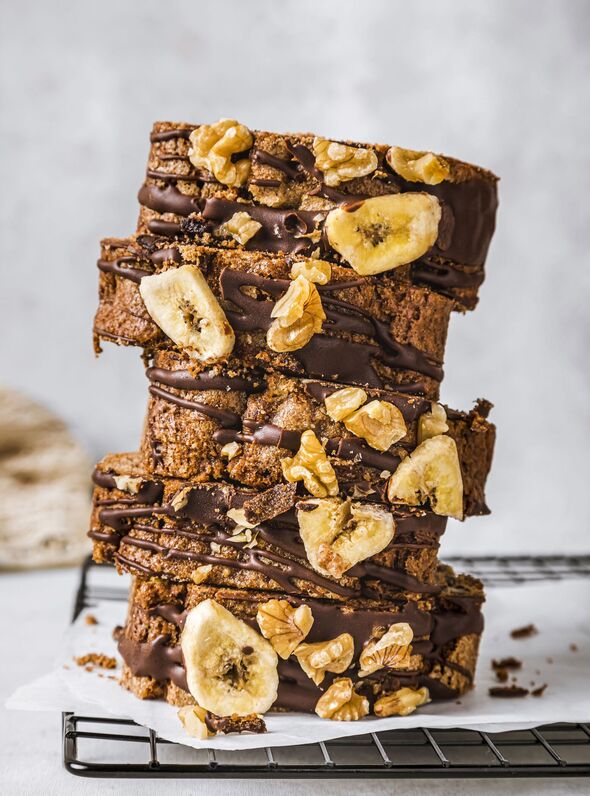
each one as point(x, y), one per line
point(167, 199)
point(184, 380)
point(331, 358)
point(288, 167)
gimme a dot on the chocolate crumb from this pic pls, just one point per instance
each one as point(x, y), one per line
point(574, 647)
point(235, 723)
point(507, 663)
point(501, 675)
point(508, 691)
point(539, 691)
point(524, 632)
point(96, 659)
point(90, 619)
point(549, 660)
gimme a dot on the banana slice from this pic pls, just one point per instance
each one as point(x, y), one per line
point(338, 534)
point(384, 232)
point(230, 668)
point(181, 302)
point(431, 472)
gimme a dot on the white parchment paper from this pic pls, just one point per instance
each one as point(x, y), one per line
point(559, 656)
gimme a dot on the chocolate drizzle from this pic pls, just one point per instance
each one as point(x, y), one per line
point(225, 417)
point(184, 380)
point(331, 358)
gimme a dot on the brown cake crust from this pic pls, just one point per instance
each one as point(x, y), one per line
point(443, 656)
point(289, 196)
point(379, 332)
point(270, 410)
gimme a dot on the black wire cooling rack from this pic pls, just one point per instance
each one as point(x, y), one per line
point(119, 748)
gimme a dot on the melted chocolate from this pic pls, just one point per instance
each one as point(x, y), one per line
point(184, 380)
point(332, 358)
point(225, 417)
point(170, 135)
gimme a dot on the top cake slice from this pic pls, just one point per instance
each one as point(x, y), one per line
point(374, 208)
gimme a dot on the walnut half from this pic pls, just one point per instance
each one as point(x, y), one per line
point(212, 147)
point(401, 702)
point(326, 656)
point(298, 316)
point(284, 625)
point(341, 702)
point(311, 465)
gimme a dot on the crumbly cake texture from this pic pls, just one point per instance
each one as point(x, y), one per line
point(264, 414)
point(378, 331)
point(446, 629)
point(289, 188)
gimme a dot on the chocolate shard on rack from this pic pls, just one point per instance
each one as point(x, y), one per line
point(395, 654)
point(371, 331)
point(301, 194)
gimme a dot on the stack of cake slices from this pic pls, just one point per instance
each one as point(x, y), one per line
point(296, 471)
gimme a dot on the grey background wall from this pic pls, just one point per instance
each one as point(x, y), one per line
point(505, 84)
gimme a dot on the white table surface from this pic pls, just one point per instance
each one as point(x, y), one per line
point(39, 604)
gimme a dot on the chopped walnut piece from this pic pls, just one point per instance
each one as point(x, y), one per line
point(344, 402)
point(212, 147)
point(127, 483)
point(340, 162)
point(317, 271)
point(401, 703)
point(418, 166)
point(341, 702)
point(200, 574)
point(240, 519)
point(193, 719)
point(338, 534)
point(432, 423)
point(284, 625)
point(380, 423)
point(180, 498)
point(230, 450)
point(298, 316)
point(241, 227)
point(311, 465)
point(391, 651)
point(326, 656)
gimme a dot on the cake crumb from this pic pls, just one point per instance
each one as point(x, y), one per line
point(537, 692)
point(90, 619)
point(508, 691)
point(573, 647)
point(507, 663)
point(524, 632)
point(96, 659)
point(501, 675)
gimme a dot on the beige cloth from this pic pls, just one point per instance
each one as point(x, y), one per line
point(44, 487)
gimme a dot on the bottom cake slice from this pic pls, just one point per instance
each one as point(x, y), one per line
point(392, 655)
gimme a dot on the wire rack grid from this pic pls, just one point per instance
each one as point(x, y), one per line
point(119, 748)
